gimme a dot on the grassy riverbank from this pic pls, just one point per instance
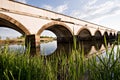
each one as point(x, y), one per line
point(12, 41)
point(21, 66)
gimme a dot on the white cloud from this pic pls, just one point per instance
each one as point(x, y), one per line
point(93, 11)
point(59, 9)
point(78, 14)
point(23, 1)
point(47, 7)
point(91, 2)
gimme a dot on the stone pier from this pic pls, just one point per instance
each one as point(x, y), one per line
point(33, 43)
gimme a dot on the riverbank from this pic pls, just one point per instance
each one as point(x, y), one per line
point(13, 41)
point(45, 40)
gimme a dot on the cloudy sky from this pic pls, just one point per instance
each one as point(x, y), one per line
point(102, 12)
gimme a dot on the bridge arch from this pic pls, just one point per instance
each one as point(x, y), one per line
point(110, 34)
point(106, 34)
point(114, 34)
point(97, 34)
point(61, 30)
point(7, 21)
point(84, 34)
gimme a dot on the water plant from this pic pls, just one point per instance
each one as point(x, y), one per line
point(61, 66)
point(107, 66)
point(17, 66)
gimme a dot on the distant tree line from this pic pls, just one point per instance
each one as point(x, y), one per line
point(21, 37)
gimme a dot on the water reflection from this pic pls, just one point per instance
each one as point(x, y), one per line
point(48, 48)
point(85, 46)
point(62, 49)
point(66, 48)
point(97, 45)
point(14, 47)
point(54, 48)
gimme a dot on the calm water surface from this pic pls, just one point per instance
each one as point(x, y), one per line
point(53, 47)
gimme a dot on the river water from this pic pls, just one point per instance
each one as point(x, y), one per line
point(53, 47)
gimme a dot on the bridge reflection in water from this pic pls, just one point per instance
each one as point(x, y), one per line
point(55, 49)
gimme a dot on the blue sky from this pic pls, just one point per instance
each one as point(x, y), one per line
point(102, 12)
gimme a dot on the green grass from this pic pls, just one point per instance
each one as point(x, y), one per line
point(105, 67)
point(17, 66)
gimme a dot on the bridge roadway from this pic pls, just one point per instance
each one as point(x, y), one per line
point(32, 21)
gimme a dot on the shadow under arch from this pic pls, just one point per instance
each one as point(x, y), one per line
point(84, 34)
point(112, 36)
point(7, 21)
point(106, 35)
point(97, 35)
point(105, 39)
point(115, 36)
point(61, 30)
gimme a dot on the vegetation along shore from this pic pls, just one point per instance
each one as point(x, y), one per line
point(17, 66)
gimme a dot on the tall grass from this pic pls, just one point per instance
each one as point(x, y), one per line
point(16, 66)
point(105, 67)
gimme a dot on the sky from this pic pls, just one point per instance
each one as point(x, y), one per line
point(102, 12)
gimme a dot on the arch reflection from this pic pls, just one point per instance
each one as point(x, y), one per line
point(85, 46)
point(55, 48)
point(48, 48)
point(97, 45)
point(65, 48)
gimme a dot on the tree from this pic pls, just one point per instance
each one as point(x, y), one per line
point(21, 37)
point(7, 38)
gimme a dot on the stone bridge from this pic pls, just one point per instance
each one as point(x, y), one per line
point(32, 21)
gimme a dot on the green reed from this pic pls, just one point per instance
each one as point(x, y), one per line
point(105, 67)
point(16, 66)
point(61, 66)
point(21, 66)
